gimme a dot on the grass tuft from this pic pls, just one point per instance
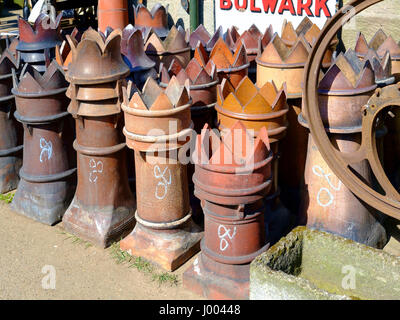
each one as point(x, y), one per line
point(165, 278)
point(142, 265)
point(118, 255)
point(122, 257)
point(76, 240)
point(8, 197)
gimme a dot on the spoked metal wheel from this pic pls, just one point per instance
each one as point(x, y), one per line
point(387, 199)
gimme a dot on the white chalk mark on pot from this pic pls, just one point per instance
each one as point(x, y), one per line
point(318, 171)
point(163, 183)
point(96, 167)
point(46, 148)
point(224, 234)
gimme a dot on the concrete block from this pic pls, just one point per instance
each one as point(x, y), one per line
point(310, 264)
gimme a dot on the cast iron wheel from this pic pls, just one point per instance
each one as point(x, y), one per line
point(388, 201)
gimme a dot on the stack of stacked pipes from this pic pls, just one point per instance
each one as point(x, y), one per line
point(209, 127)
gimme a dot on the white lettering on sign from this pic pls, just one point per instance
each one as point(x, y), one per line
point(318, 171)
point(46, 149)
point(95, 168)
point(244, 13)
point(162, 185)
point(225, 234)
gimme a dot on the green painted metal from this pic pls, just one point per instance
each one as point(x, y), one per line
point(194, 14)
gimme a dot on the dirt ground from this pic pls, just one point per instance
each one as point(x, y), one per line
point(81, 273)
